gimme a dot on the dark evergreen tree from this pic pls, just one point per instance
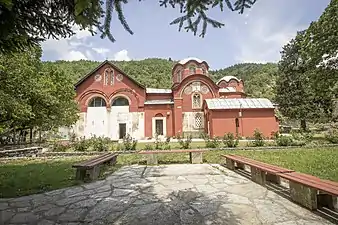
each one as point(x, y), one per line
point(26, 23)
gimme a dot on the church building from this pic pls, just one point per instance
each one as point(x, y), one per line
point(112, 104)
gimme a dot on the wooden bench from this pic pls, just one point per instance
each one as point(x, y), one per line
point(312, 192)
point(196, 156)
point(307, 190)
point(91, 168)
point(260, 172)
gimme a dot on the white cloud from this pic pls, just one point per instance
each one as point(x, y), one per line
point(261, 33)
point(101, 50)
point(121, 56)
point(69, 48)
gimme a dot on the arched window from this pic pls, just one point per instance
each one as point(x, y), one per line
point(179, 76)
point(112, 77)
point(97, 102)
point(106, 76)
point(192, 70)
point(120, 101)
point(196, 101)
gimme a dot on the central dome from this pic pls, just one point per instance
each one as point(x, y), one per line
point(184, 61)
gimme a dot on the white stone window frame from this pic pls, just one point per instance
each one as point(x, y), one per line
point(106, 75)
point(153, 124)
point(193, 106)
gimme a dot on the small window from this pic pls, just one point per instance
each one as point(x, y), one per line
point(192, 70)
point(97, 102)
point(179, 76)
point(199, 121)
point(106, 77)
point(196, 101)
point(111, 77)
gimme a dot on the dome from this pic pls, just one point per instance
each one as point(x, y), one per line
point(184, 61)
point(228, 78)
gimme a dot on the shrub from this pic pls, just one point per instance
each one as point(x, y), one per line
point(148, 147)
point(332, 135)
point(184, 142)
point(129, 143)
point(100, 144)
point(81, 145)
point(211, 142)
point(60, 147)
point(230, 141)
point(283, 140)
point(258, 138)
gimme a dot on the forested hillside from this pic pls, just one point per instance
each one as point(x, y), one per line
point(259, 79)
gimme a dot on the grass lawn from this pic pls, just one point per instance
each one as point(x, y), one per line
point(23, 177)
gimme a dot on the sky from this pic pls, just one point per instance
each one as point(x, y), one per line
point(257, 35)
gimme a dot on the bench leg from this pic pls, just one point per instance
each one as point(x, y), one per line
point(112, 162)
point(258, 176)
point(196, 157)
point(94, 173)
point(80, 174)
point(303, 195)
point(273, 178)
point(152, 159)
point(230, 164)
point(240, 166)
point(326, 200)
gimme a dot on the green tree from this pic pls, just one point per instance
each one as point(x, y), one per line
point(26, 23)
point(294, 94)
point(32, 96)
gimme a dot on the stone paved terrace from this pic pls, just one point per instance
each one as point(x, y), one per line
point(171, 194)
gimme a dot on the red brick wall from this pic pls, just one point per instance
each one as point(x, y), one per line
point(89, 88)
point(159, 96)
point(223, 121)
point(151, 111)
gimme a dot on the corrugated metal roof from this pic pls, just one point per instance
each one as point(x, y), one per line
point(227, 89)
point(158, 102)
point(239, 103)
point(157, 91)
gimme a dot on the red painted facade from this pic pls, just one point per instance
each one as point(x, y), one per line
point(191, 87)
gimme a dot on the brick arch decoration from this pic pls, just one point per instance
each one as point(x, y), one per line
point(121, 92)
point(117, 96)
point(196, 80)
point(159, 115)
point(91, 94)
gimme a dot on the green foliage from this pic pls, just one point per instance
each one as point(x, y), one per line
point(129, 143)
point(258, 138)
point(21, 27)
point(161, 145)
point(332, 135)
point(211, 142)
point(184, 142)
point(60, 147)
point(81, 145)
point(307, 86)
point(284, 140)
point(148, 147)
point(32, 96)
point(100, 144)
point(230, 141)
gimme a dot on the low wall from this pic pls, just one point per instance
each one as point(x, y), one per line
point(24, 152)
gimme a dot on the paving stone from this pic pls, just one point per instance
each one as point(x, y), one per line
point(6, 215)
point(26, 217)
point(167, 194)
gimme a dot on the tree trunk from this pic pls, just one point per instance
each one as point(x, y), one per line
point(31, 135)
point(303, 125)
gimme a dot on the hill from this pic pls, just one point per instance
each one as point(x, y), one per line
point(259, 79)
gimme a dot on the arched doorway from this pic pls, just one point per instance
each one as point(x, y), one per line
point(96, 121)
point(120, 117)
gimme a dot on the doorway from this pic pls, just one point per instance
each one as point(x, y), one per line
point(159, 126)
point(122, 130)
